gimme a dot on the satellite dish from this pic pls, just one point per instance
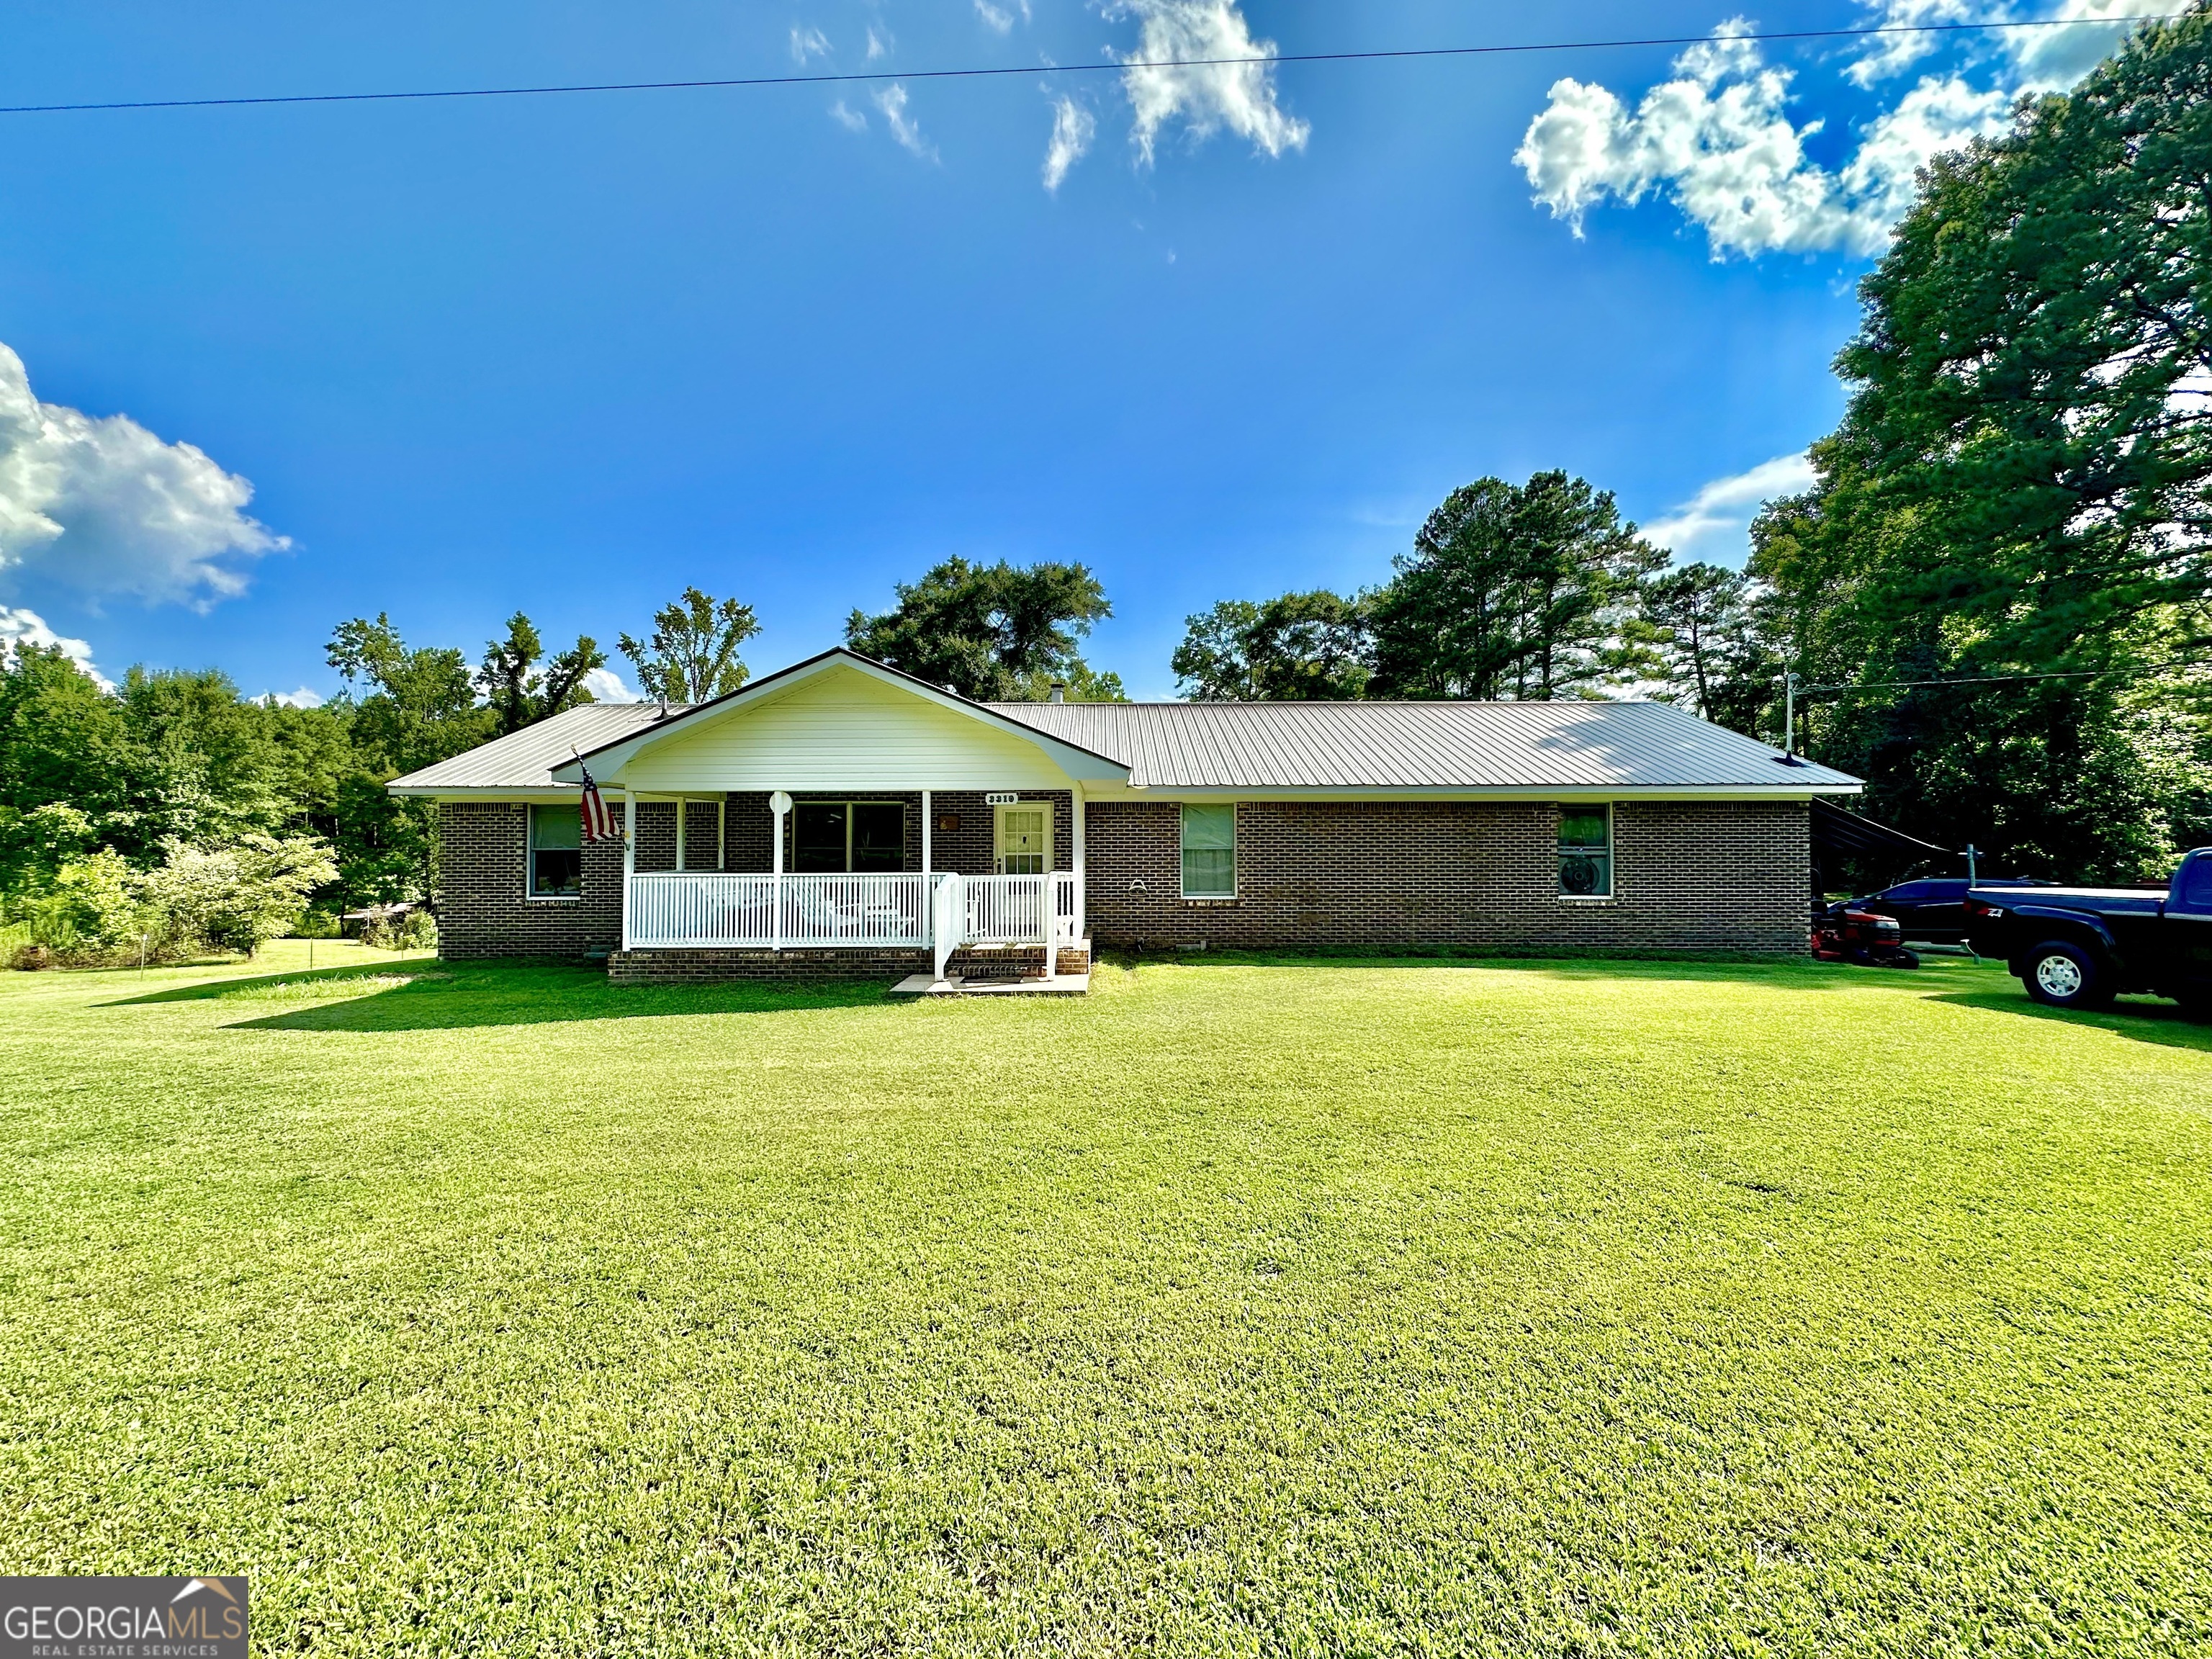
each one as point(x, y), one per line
point(779, 803)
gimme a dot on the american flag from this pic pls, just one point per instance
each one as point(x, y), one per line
point(599, 822)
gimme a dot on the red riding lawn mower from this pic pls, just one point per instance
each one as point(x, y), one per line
point(1841, 933)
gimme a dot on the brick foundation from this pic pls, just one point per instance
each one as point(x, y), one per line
point(714, 967)
point(1382, 875)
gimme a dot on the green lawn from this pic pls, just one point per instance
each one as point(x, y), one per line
point(1572, 1308)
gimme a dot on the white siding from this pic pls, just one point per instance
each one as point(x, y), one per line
point(843, 730)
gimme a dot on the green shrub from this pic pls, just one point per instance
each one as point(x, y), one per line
point(418, 931)
point(237, 898)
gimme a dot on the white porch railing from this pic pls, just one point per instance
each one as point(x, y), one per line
point(687, 911)
point(939, 912)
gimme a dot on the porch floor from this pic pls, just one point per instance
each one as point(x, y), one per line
point(962, 985)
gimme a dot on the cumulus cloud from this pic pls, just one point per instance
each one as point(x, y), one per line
point(1890, 54)
point(1072, 127)
point(607, 686)
point(807, 43)
point(997, 19)
point(848, 118)
point(1718, 141)
point(305, 697)
point(892, 101)
point(2051, 60)
point(20, 627)
point(879, 45)
point(1714, 525)
point(102, 504)
point(1181, 37)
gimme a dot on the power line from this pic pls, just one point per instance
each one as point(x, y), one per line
point(1111, 66)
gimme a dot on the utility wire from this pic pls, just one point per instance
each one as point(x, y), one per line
point(1110, 66)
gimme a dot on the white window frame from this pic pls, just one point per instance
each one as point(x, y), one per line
point(1236, 862)
point(530, 892)
point(999, 810)
point(1609, 854)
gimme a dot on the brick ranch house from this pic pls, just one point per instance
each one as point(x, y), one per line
point(841, 817)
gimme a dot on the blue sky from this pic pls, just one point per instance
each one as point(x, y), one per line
point(797, 344)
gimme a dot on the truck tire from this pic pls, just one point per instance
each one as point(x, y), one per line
point(2062, 975)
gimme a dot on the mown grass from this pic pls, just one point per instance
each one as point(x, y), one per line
point(1569, 1309)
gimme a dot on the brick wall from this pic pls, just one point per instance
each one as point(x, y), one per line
point(482, 877)
point(967, 849)
point(1719, 875)
point(715, 967)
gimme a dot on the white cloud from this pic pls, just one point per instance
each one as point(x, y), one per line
point(807, 43)
point(879, 45)
point(305, 697)
point(848, 117)
point(104, 505)
point(20, 627)
point(2051, 60)
point(1714, 523)
point(1073, 126)
point(1889, 54)
point(997, 19)
point(892, 101)
point(1718, 141)
point(606, 685)
point(1205, 95)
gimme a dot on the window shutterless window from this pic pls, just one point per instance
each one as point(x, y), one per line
point(556, 852)
point(1585, 852)
point(835, 836)
point(1209, 852)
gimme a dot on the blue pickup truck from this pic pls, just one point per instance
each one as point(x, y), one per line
point(2078, 947)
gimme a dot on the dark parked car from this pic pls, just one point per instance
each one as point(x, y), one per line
point(1931, 912)
point(2078, 947)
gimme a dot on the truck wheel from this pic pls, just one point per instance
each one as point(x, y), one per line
point(2061, 976)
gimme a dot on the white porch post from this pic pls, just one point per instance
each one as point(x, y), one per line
point(1075, 836)
point(629, 858)
point(928, 910)
point(722, 833)
point(683, 812)
point(778, 804)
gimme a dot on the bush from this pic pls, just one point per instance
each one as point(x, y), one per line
point(91, 911)
point(418, 932)
point(238, 897)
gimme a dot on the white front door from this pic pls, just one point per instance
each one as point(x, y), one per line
point(1021, 837)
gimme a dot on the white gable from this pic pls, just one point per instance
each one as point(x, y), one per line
point(841, 728)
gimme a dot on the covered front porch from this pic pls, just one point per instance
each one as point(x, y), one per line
point(1010, 907)
point(844, 820)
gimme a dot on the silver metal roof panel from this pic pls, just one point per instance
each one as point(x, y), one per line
point(1423, 746)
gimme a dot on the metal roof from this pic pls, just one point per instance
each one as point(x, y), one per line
point(1279, 746)
point(1422, 745)
point(525, 759)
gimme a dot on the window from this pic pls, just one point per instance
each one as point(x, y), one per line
point(556, 852)
point(1209, 852)
point(1023, 833)
point(1585, 852)
point(835, 836)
